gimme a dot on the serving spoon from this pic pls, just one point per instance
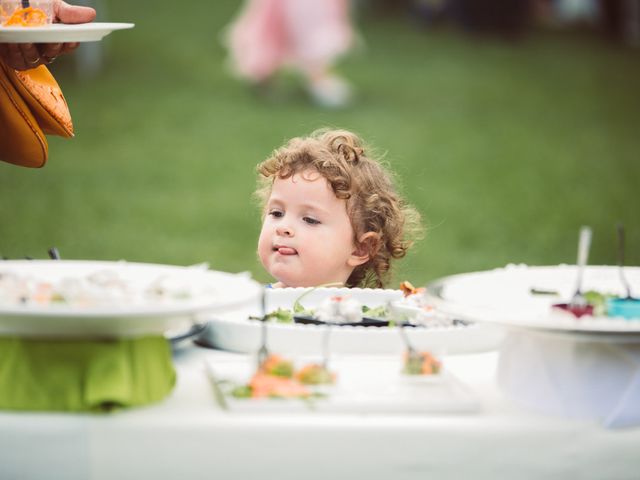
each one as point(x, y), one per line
point(623, 278)
point(578, 305)
point(584, 243)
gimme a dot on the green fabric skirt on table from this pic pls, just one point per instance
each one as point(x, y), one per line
point(84, 375)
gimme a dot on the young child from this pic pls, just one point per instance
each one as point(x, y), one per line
point(331, 214)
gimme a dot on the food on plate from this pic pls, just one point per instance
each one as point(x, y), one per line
point(345, 309)
point(412, 309)
point(280, 315)
point(277, 366)
point(100, 288)
point(315, 374)
point(340, 309)
point(276, 378)
point(575, 310)
point(263, 385)
point(422, 363)
point(414, 297)
point(415, 309)
point(24, 17)
point(336, 309)
point(408, 289)
point(600, 304)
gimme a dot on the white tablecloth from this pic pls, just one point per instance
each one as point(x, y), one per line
point(189, 437)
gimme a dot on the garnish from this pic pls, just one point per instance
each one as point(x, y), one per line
point(315, 374)
point(421, 364)
point(598, 301)
point(380, 311)
point(277, 366)
point(408, 289)
point(277, 378)
point(281, 315)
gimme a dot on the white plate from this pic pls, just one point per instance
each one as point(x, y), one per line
point(503, 296)
point(60, 32)
point(236, 333)
point(211, 291)
point(364, 384)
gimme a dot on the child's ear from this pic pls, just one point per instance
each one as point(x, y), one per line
point(366, 247)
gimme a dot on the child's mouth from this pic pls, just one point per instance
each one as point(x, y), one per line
point(285, 250)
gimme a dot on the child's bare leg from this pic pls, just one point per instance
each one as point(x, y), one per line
point(327, 88)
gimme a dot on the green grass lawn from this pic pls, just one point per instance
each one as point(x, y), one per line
point(506, 149)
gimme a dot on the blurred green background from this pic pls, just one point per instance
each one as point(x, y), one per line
point(505, 148)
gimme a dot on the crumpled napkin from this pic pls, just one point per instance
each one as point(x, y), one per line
point(84, 375)
point(587, 377)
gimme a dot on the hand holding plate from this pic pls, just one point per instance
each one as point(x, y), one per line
point(25, 56)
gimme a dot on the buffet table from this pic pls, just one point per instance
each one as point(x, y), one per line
point(189, 436)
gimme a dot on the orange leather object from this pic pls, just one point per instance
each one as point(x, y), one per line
point(31, 105)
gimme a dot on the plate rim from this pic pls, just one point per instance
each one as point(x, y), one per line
point(62, 32)
point(97, 314)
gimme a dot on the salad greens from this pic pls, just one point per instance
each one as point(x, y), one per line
point(376, 312)
point(598, 301)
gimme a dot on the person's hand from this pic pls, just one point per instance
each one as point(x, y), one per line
point(23, 56)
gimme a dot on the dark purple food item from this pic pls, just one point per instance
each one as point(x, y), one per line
point(577, 310)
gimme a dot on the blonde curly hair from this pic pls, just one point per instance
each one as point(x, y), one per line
point(373, 203)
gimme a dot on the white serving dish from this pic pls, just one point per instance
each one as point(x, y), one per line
point(211, 291)
point(364, 385)
point(503, 296)
point(235, 332)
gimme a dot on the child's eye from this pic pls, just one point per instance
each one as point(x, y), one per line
point(276, 213)
point(310, 221)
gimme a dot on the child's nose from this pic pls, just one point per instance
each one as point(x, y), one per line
point(284, 231)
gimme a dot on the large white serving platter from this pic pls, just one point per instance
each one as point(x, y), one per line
point(235, 332)
point(364, 385)
point(211, 291)
point(503, 296)
point(60, 32)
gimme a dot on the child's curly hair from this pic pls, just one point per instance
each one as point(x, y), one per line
point(373, 204)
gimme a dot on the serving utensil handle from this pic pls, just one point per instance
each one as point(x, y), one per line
point(584, 244)
point(623, 279)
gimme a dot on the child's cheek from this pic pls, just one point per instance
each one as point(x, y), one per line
point(264, 245)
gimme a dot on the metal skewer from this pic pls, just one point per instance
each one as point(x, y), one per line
point(623, 279)
point(263, 352)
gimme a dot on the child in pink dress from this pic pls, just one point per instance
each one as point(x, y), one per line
point(306, 35)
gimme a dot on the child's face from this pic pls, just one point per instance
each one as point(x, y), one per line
point(307, 238)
